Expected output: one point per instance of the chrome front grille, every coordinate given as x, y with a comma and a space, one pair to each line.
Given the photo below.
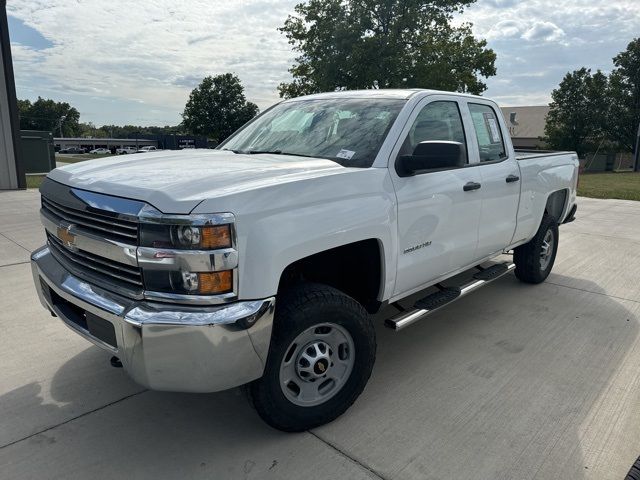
101, 224
94, 236
97, 237
95, 266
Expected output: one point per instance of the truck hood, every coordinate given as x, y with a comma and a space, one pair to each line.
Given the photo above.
177, 181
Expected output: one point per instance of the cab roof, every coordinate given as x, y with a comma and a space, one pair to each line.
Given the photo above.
391, 93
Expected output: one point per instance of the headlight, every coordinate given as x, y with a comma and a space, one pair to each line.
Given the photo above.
188, 283
188, 255
207, 283
187, 237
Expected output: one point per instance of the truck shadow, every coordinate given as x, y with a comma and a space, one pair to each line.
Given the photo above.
499, 385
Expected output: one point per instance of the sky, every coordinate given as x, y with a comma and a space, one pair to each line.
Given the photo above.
124, 62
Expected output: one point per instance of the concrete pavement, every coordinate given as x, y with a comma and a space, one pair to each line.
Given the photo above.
514, 381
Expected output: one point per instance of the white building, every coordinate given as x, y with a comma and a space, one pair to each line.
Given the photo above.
526, 125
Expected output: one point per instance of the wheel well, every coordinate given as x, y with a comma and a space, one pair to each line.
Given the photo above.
354, 269
555, 204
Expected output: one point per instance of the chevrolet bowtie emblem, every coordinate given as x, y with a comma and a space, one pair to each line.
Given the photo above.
67, 238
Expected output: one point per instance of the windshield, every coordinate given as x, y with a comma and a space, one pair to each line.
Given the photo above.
349, 131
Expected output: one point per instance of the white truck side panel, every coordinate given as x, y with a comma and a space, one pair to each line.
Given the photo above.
433, 209
541, 176
328, 212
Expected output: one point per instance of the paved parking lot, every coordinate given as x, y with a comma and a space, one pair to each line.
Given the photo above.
512, 382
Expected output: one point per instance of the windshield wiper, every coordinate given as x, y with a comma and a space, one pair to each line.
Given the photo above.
274, 152
280, 152
258, 152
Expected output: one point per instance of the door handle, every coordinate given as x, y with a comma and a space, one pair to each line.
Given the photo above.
512, 178
471, 186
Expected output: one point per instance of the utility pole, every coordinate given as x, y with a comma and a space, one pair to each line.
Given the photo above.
62, 118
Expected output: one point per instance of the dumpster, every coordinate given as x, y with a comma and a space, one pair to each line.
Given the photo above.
37, 151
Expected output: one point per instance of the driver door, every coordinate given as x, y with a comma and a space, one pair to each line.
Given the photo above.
438, 218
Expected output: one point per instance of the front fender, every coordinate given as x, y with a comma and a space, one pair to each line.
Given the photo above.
278, 225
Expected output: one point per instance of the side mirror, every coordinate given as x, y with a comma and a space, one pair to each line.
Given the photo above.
431, 155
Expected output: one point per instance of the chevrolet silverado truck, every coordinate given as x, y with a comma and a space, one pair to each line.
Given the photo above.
261, 263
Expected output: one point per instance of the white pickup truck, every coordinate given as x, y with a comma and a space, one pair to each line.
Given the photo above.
262, 262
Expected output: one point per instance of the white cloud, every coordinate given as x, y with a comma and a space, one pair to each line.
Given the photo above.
538, 41
505, 29
152, 52
23, 54
534, 32
543, 31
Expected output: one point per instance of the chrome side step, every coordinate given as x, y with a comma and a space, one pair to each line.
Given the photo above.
445, 296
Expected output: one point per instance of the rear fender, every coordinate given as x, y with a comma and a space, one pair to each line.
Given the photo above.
551, 189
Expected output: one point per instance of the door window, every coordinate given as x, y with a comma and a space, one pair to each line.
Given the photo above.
437, 121
488, 133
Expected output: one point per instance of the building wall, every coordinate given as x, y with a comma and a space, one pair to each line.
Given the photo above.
8, 177
528, 143
526, 125
11, 172
111, 143
163, 142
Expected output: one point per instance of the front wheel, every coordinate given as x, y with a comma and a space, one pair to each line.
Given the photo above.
534, 260
320, 359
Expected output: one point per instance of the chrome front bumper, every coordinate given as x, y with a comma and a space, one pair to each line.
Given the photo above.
161, 346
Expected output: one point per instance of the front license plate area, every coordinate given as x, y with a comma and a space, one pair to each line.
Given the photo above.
97, 327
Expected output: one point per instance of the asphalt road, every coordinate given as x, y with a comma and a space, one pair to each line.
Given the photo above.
513, 382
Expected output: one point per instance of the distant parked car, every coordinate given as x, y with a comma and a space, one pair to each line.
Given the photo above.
126, 150
147, 149
100, 151
73, 150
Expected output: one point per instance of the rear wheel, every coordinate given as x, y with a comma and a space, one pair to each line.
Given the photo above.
320, 359
534, 260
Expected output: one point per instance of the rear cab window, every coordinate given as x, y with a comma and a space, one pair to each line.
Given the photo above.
488, 133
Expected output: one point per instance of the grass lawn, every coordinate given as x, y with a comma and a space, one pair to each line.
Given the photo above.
34, 181
625, 186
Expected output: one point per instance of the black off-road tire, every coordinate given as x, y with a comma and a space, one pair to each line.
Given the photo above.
298, 309
634, 473
527, 256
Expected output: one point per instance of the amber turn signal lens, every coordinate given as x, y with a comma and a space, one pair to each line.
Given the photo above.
215, 282
216, 237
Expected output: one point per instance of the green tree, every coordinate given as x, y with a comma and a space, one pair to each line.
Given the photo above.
129, 131
217, 107
90, 130
47, 114
398, 43
578, 112
624, 96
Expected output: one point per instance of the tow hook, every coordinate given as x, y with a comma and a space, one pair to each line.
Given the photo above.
115, 362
